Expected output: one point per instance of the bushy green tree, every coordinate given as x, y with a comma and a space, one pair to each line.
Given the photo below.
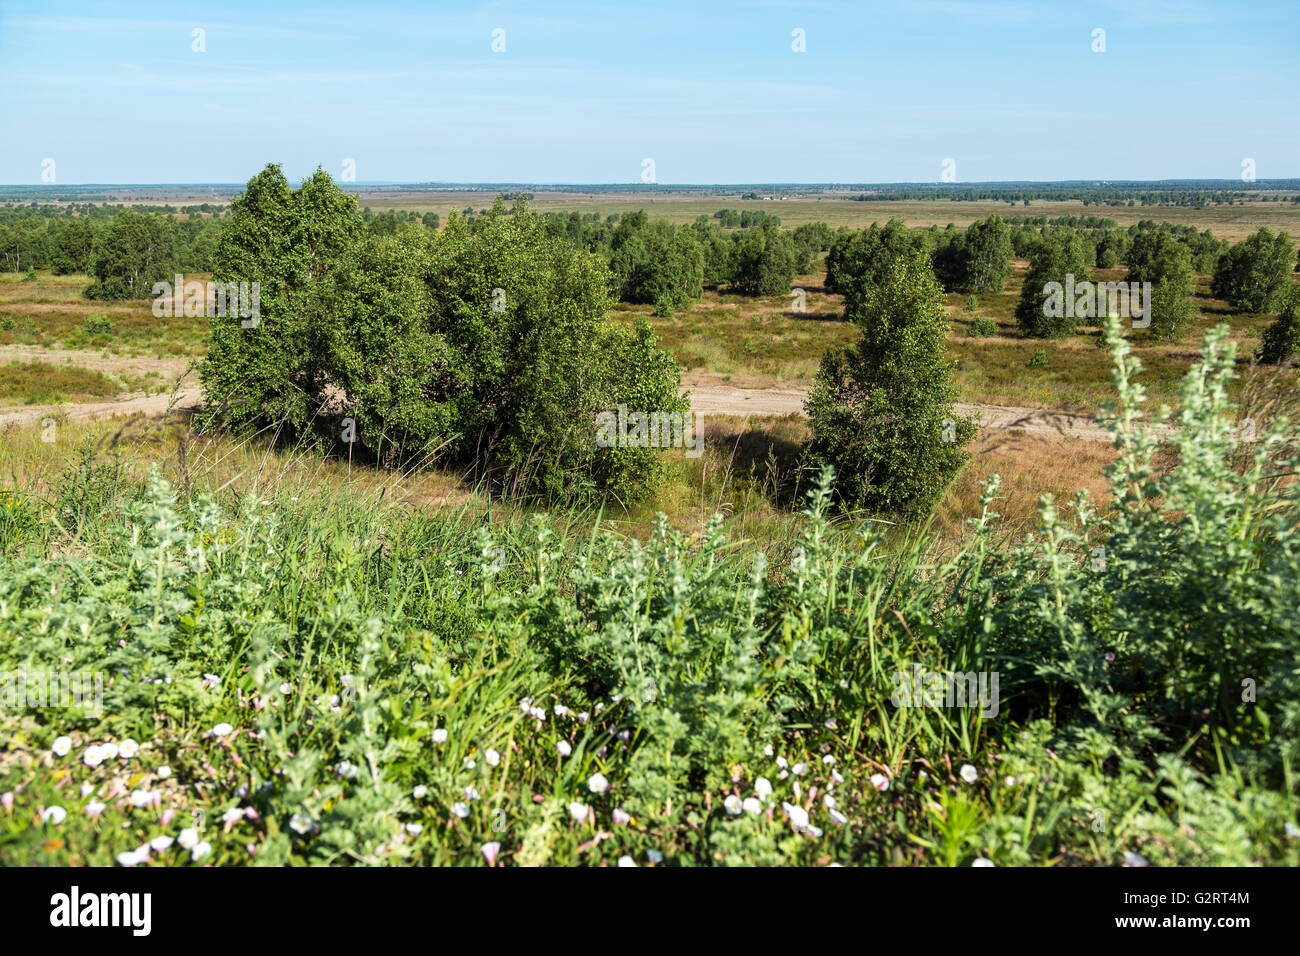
1255, 274
1281, 340
655, 263
1164, 261
763, 261
882, 410
861, 261
986, 259
133, 252
1057, 256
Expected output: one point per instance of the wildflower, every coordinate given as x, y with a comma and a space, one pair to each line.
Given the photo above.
525, 704
61, 746
459, 810
87, 789
109, 750
415, 829
814, 832
880, 782
286, 688
471, 794
1011, 781
492, 757
128, 748
141, 798
440, 735
782, 762
968, 773
468, 763
164, 772
1291, 831
578, 811
131, 858
751, 805
799, 769
94, 809
767, 751
564, 748
211, 681
300, 823
420, 792
55, 815
830, 724
597, 783
1135, 859
200, 851
837, 777
626, 861
839, 818
345, 769
7, 799
654, 856
980, 861
732, 804
621, 817
829, 802
189, 837
561, 710
797, 816
763, 787
222, 730
232, 816
490, 851
160, 843
829, 760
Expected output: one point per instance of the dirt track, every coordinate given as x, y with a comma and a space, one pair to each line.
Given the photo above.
709, 397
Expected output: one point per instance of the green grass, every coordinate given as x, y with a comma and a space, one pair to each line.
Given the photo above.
42, 383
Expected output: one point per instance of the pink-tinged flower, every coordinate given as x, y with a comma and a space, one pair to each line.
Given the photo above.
167, 816
211, 681
621, 817
222, 730
490, 851
578, 811
94, 809
251, 814
597, 783
880, 782
7, 800
55, 815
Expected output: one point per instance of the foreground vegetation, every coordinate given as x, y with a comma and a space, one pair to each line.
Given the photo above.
338, 680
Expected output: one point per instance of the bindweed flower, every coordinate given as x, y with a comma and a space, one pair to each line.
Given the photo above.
420, 792
797, 816
55, 815
799, 769
732, 805
109, 750
94, 809
751, 805
160, 843
222, 730
880, 782
440, 735
300, 823
128, 748
232, 816
211, 681
415, 829
763, 787
189, 837
654, 856
597, 783
829, 802
164, 772
578, 811
201, 851
492, 757
980, 861
564, 748
490, 851
61, 746
459, 810
468, 763
471, 793
626, 861
1135, 859
839, 818
132, 858
87, 789
969, 773
286, 688
7, 799
621, 817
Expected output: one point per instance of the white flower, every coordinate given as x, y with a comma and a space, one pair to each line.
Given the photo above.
525, 704
440, 735
298, 823
189, 837
232, 816
752, 805
286, 688
61, 746
490, 851
222, 730
160, 843
87, 789
131, 858
1291, 831
415, 829
969, 773
1135, 859
164, 772
839, 818
763, 787
782, 762
55, 815
767, 751
732, 804
420, 792
626, 861
980, 861
560, 710
837, 777
128, 748
654, 856
830, 724
799, 769
109, 750
492, 757
94, 809
829, 760
471, 794
578, 811
200, 851
797, 816
211, 681
468, 763
1010, 781
537, 713
597, 783
829, 802
814, 832
459, 810
345, 769
621, 817
880, 782
141, 798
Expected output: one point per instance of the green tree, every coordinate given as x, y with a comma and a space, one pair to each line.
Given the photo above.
882, 410
135, 251
1164, 261
1255, 274
987, 256
1281, 339
763, 261
1042, 311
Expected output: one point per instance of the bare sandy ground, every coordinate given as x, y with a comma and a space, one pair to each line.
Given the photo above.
709, 396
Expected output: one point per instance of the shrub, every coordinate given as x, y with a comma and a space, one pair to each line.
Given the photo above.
881, 411
983, 327
762, 261
1058, 256
1281, 339
1255, 274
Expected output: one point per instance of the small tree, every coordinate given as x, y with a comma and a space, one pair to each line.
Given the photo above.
134, 252
1042, 311
882, 411
763, 261
1281, 340
1166, 262
987, 256
1255, 274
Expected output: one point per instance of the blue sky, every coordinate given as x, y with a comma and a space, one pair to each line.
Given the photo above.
711, 91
